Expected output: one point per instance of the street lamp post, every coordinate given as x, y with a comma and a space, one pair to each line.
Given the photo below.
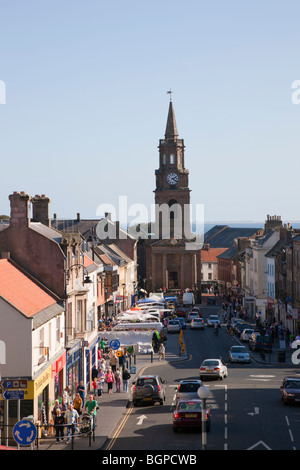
123, 285
203, 393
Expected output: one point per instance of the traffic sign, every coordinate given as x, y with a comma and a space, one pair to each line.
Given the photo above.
24, 432
13, 395
114, 344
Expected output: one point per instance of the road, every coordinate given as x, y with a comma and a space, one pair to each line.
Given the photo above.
246, 411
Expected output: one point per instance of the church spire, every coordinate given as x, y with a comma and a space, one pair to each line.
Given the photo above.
171, 128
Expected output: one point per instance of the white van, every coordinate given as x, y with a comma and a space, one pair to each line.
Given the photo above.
188, 299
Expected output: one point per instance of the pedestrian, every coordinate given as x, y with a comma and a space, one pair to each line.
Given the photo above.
94, 372
63, 406
126, 376
91, 408
161, 351
100, 387
66, 394
122, 359
71, 420
55, 407
113, 361
110, 379
118, 379
77, 403
59, 425
103, 345
102, 364
81, 390
95, 386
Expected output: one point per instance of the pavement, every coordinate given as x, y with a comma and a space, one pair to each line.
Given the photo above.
115, 408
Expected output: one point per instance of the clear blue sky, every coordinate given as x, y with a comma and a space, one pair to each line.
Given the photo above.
86, 102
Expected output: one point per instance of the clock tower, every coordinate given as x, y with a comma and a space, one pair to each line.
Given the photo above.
172, 181
172, 259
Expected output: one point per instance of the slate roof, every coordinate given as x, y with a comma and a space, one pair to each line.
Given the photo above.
222, 236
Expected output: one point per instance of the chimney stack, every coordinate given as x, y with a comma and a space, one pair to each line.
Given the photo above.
19, 209
40, 205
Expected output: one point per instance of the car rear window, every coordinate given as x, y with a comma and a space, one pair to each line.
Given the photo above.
173, 322
210, 363
190, 406
238, 349
187, 388
146, 380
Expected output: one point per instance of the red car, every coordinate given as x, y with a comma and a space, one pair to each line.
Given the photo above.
180, 312
188, 414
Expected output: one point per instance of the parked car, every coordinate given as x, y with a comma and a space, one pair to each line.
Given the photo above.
197, 324
181, 321
187, 390
180, 312
149, 388
211, 301
214, 368
239, 354
188, 414
290, 390
240, 326
212, 320
173, 326
258, 342
245, 334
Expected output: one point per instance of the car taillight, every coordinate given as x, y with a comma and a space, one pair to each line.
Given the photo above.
217, 368
159, 388
202, 368
176, 415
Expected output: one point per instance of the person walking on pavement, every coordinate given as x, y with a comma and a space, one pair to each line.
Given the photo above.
91, 408
161, 351
81, 390
59, 424
77, 403
71, 420
66, 394
126, 376
110, 379
118, 379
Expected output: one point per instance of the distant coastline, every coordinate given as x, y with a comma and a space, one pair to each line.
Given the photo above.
209, 225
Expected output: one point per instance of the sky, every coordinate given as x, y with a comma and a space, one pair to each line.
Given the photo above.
85, 86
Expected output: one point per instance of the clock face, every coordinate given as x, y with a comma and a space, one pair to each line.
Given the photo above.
172, 178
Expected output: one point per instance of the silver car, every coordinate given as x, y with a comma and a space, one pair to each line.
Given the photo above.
239, 354
214, 368
187, 390
149, 388
212, 320
174, 326
197, 324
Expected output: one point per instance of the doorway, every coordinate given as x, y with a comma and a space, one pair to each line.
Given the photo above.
173, 279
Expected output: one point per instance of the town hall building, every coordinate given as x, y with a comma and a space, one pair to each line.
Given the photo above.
172, 258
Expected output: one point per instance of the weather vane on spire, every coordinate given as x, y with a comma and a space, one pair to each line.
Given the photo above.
170, 93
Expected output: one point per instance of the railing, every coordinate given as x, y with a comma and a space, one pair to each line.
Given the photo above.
48, 434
